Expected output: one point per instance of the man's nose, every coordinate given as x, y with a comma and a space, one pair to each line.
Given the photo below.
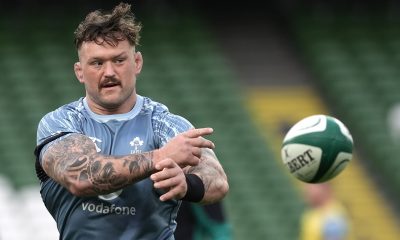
109, 70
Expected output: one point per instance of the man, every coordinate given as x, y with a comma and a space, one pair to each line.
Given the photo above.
326, 219
114, 164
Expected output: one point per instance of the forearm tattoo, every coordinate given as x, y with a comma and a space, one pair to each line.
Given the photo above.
210, 171
73, 160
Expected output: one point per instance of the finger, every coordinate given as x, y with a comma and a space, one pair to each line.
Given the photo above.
173, 193
166, 173
167, 196
198, 132
167, 183
193, 161
202, 143
165, 163
197, 152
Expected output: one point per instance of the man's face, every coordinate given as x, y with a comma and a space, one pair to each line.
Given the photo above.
317, 194
109, 75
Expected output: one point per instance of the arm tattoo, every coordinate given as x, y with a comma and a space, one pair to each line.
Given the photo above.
211, 173
73, 161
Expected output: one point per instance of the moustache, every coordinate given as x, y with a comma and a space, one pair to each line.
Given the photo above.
109, 82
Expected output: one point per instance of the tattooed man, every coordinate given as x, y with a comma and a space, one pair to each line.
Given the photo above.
115, 164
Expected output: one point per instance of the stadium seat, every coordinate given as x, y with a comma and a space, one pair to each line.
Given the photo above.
354, 58
184, 71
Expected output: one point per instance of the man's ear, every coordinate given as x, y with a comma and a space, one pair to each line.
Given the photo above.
138, 62
78, 72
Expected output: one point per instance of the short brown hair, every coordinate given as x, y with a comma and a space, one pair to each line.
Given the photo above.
111, 27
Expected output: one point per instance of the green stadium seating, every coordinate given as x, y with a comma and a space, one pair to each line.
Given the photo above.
354, 57
185, 71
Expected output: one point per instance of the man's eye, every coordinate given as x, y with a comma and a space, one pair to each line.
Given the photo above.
96, 63
120, 60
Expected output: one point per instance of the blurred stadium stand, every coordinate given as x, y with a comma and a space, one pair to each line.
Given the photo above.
352, 55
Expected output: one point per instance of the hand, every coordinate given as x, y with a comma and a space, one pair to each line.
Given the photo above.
185, 148
171, 178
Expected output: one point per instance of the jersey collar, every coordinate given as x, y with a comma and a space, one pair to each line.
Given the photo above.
116, 117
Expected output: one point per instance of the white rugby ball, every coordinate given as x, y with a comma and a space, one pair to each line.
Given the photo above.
317, 148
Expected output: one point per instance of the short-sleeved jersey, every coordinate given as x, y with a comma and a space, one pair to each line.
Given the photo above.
328, 222
134, 212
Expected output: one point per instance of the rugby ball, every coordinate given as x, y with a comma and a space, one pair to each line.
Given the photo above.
317, 148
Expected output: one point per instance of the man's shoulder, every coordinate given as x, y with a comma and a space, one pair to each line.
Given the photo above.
72, 109
158, 112
153, 107
67, 118
161, 116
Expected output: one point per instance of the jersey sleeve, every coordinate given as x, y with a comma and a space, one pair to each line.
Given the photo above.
59, 121
55, 125
167, 125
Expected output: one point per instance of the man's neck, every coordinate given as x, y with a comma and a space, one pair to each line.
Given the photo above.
126, 107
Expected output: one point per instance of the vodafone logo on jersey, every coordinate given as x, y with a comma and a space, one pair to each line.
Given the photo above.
108, 208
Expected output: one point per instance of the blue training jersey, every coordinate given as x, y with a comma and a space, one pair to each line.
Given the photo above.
134, 212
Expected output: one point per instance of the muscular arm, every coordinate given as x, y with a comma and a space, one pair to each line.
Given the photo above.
74, 163
213, 176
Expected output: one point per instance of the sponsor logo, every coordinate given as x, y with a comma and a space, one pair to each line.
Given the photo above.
300, 161
136, 143
104, 208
